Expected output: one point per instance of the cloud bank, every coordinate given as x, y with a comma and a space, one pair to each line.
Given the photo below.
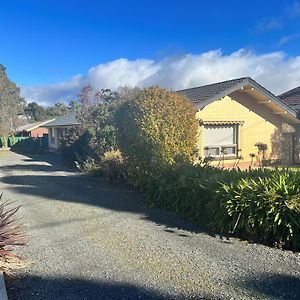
276, 71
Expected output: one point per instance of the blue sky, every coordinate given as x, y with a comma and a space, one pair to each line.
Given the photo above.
47, 43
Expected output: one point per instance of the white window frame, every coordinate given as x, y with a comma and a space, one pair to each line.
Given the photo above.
220, 149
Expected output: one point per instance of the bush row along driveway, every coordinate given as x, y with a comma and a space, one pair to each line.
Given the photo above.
90, 240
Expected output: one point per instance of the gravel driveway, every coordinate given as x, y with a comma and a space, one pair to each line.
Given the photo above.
89, 240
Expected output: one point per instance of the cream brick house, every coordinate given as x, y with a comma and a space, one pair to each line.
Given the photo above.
235, 115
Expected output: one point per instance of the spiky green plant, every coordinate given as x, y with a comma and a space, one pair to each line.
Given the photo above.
11, 233
265, 209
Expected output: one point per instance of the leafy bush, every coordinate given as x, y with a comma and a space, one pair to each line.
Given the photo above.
74, 147
98, 123
154, 127
111, 167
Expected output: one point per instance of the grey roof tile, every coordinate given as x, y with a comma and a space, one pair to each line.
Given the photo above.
202, 93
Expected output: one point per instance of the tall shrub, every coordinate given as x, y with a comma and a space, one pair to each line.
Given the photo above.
154, 128
86, 145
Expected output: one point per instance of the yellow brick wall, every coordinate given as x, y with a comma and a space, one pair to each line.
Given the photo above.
260, 125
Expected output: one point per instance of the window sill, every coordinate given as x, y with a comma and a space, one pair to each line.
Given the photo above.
229, 157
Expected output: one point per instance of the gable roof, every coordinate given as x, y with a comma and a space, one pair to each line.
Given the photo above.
31, 126
67, 120
206, 94
291, 97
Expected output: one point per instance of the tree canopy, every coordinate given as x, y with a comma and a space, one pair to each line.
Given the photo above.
11, 103
57, 110
36, 112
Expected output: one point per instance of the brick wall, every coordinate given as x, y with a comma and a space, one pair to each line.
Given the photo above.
39, 132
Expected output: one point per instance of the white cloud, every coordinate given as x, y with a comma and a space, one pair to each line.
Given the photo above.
276, 71
121, 72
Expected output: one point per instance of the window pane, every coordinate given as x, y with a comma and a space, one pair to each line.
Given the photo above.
211, 151
229, 150
220, 135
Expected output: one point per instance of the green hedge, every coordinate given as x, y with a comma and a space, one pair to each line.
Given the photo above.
259, 205
31, 145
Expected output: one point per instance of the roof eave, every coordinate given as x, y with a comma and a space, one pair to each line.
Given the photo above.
274, 98
252, 83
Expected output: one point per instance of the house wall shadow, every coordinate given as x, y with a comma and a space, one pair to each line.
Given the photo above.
282, 147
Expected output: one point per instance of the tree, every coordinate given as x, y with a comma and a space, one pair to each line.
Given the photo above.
58, 110
73, 105
11, 103
36, 112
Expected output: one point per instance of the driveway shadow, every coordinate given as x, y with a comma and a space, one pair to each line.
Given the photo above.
274, 286
77, 188
74, 289
30, 168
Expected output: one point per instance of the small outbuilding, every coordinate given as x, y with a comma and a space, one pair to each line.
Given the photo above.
58, 128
